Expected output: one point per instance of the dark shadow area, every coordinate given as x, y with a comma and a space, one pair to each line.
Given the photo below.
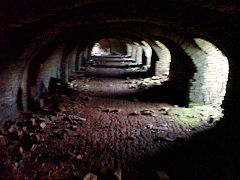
181, 71
152, 69
34, 71
179, 158
144, 59
101, 59
97, 120
111, 56
19, 99
198, 157
209, 155
174, 92
117, 66
165, 93
114, 72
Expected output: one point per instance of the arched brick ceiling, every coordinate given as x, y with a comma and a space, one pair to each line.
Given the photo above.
185, 15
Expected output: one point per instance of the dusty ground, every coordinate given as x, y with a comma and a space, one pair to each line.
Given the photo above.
95, 123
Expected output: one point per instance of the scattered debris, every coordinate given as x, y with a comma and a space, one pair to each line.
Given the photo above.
106, 110
57, 118
109, 173
3, 140
145, 83
43, 125
33, 148
170, 138
39, 138
156, 78
163, 137
21, 149
90, 176
62, 108
160, 128
82, 119
118, 173
57, 139
132, 86
148, 112
135, 100
12, 129
24, 128
164, 109
149, 126
79, 157
3, 131
75, 117
134, 113
130, 138
111, 110
162, 175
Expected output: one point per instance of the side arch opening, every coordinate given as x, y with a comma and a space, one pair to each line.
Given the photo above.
209, 82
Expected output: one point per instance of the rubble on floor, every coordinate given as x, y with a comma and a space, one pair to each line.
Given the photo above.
74, 132
105, 174
162, 175
144, 83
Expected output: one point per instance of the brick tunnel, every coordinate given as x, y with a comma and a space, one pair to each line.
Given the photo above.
119, 89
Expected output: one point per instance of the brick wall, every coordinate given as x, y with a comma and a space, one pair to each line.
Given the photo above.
163, 64
148, 52
72, 61
208, 85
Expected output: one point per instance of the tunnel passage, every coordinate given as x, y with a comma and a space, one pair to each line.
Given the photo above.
144, 106
112, 106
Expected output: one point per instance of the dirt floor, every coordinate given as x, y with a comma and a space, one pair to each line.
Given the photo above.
101, 119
